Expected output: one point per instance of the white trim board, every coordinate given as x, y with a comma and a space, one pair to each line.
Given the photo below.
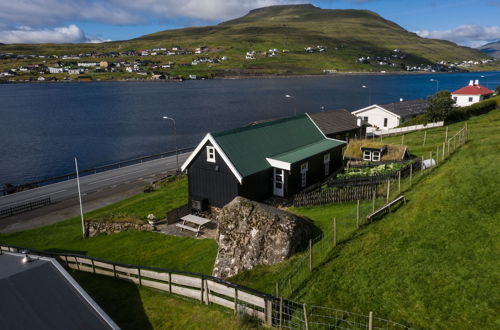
279, 164
373, 107
210, 138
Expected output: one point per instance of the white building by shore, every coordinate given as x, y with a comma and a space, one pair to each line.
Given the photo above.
471, 94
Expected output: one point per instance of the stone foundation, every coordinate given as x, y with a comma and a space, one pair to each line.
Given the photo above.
95, 228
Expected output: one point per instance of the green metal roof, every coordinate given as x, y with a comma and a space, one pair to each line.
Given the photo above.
248, 147
312, 149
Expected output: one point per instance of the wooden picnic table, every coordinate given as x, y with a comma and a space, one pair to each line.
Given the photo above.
193, 219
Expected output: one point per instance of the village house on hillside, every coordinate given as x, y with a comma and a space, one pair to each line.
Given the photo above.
373, 151
471, 94
390, 115
340, 124
279, 157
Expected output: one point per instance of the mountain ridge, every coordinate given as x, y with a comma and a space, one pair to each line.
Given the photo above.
345, 35
491, 49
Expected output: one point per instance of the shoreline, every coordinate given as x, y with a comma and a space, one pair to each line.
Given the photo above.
243, 77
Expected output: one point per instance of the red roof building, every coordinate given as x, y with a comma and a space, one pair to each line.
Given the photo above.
471, 94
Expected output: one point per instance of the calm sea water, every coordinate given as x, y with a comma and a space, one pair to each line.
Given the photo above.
44, 125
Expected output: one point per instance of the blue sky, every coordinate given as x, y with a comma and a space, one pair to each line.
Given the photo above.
471, 23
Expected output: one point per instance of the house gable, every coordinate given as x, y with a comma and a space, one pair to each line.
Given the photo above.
219, 152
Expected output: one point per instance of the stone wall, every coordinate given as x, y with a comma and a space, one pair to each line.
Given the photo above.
252, 234
95, 228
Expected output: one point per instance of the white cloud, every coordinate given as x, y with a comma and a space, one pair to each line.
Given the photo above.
24, 34
58, 12
198, 9
55, 12
468, 35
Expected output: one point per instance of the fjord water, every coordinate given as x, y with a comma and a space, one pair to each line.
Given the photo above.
44, 125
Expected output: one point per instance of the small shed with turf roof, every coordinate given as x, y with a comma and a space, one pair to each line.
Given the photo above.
374, 151
279, 157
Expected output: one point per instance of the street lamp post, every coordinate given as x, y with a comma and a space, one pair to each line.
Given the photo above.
294, 104
369, 94
175, 141
437, 84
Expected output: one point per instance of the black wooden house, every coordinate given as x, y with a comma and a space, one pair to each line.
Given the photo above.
278, 158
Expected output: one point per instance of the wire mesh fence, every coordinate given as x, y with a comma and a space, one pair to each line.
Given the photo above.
289, 314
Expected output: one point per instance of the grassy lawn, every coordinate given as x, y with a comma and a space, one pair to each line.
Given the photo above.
134, 307
134, 247
432, 263
136, 209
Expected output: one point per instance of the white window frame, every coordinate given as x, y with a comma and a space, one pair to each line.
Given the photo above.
304, 167
376, 156
210, 154
326, 162
386, 122
471, 98
367, 155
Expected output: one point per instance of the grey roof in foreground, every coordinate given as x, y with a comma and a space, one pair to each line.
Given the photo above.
406, 108
335, 121
42, 295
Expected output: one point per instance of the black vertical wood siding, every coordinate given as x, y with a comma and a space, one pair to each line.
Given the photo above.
316, 172
218, 186
257, 186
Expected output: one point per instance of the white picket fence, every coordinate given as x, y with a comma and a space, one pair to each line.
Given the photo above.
381, 132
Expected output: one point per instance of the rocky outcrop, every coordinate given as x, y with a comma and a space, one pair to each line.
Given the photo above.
252, 234
95, 228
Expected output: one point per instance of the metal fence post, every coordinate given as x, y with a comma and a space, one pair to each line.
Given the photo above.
281, 312
334, 231
357, 215
370, 321
399, 182
305, 317
388, 189
310, 255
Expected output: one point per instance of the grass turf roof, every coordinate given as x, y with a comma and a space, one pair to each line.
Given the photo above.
248, 147
393, 152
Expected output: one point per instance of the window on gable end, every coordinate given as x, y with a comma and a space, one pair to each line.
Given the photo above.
210, 154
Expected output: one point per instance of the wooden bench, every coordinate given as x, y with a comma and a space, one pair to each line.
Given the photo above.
386, 207
195, 220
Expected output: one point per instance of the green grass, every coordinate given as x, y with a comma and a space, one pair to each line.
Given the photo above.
134, 307
134, 247
137, 208
432, 263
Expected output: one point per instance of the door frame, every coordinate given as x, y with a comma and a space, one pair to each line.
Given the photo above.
278, 173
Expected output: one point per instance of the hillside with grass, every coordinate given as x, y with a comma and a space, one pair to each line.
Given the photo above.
431, 263
346, 35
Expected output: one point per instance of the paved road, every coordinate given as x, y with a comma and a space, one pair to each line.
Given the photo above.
94, 182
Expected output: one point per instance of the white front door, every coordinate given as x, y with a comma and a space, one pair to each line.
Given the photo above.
278, 182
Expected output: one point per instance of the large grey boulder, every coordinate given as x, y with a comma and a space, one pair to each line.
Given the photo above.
252, 234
